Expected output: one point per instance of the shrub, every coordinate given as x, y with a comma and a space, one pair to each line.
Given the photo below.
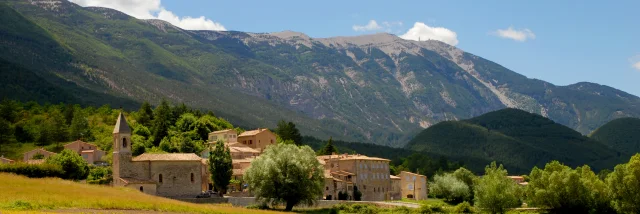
33, 170
464, 207
100, 175
358, 208
449, 188
433, 208
75, 168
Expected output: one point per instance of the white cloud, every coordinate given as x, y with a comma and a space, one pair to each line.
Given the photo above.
421, 31
517, 35
152, 9
635, 62
372, 25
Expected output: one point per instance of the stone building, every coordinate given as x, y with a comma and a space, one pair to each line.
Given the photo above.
43, 154
414, 186
257, 139
169, 175
4, 160
88, 151
227, 135
396, 188
345, 172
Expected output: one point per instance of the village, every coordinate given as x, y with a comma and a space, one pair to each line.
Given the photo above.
187, 175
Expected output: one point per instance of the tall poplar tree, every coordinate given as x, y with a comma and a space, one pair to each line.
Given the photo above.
220, 166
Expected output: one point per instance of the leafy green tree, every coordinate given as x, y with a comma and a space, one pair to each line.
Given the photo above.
9, 110
75, 168
562, 189
188, 145
468, 178
287, 174
37, 156
220, 166
288, 131
449, 188
186, 122
624, 183
329, 148
495, 192
6, 132
80, 127
69, 112
167, 146
161, 122
145, 114
100, 175
58, 127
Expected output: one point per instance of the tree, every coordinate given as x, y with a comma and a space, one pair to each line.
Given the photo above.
75, 168
56, 123
287, 174
468, 178
80, 129
145, 114
220, 166
6, 132
161, 122
9, 110
565, 190
357, 195
329, 148
624, 183
288, 131
495, 192
451, 189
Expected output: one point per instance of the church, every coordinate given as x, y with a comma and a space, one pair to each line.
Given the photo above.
168, 175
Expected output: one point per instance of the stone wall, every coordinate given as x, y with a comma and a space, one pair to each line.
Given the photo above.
179, 178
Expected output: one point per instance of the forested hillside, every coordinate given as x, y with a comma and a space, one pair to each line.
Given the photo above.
518, 139
621, 134
373, 88
165, 128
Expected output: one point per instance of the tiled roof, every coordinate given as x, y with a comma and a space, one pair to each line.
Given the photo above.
6, 159
243, 149
121, 125
136, 181
252, 132
42, 151
222, 131
87, 151
394, 177
350, 157
168, 157
244, 160
341, 172
81, 142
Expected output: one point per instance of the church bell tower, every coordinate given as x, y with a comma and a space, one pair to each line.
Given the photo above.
121, 149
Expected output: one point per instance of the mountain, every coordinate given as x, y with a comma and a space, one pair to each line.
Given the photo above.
374, 88
516, 138
622, 134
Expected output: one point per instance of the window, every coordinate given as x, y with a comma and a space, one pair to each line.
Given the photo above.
192, 178
124, 142
327, 188
271, 141
141, 189
250, 141
160, 178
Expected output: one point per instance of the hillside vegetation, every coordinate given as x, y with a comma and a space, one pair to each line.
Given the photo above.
371, 88
44, 194
518, 139
621, 134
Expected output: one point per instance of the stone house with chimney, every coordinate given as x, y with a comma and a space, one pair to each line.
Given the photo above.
343, 172
169, 175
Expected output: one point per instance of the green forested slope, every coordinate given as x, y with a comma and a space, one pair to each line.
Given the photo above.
516, 138
621, 134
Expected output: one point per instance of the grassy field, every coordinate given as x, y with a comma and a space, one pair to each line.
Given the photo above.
19, 194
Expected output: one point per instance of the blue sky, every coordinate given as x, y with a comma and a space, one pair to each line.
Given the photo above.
562, 42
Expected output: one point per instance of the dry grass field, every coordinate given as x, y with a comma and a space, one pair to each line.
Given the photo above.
19, 194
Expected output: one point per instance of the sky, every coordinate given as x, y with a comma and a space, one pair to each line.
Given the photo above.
562, 42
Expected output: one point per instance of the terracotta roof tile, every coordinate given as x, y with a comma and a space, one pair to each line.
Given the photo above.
222, 131
168, 157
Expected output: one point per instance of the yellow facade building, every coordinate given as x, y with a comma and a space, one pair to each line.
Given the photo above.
413, 186
345, 172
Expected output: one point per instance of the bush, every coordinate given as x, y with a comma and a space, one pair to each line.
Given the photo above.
100, 175
75, 168
33, 170
449, 188
358, 208
434, 208
464, 207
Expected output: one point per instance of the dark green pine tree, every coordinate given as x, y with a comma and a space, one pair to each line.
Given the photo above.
220, 166
161, 122
288, 131
329, 148
145, 114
